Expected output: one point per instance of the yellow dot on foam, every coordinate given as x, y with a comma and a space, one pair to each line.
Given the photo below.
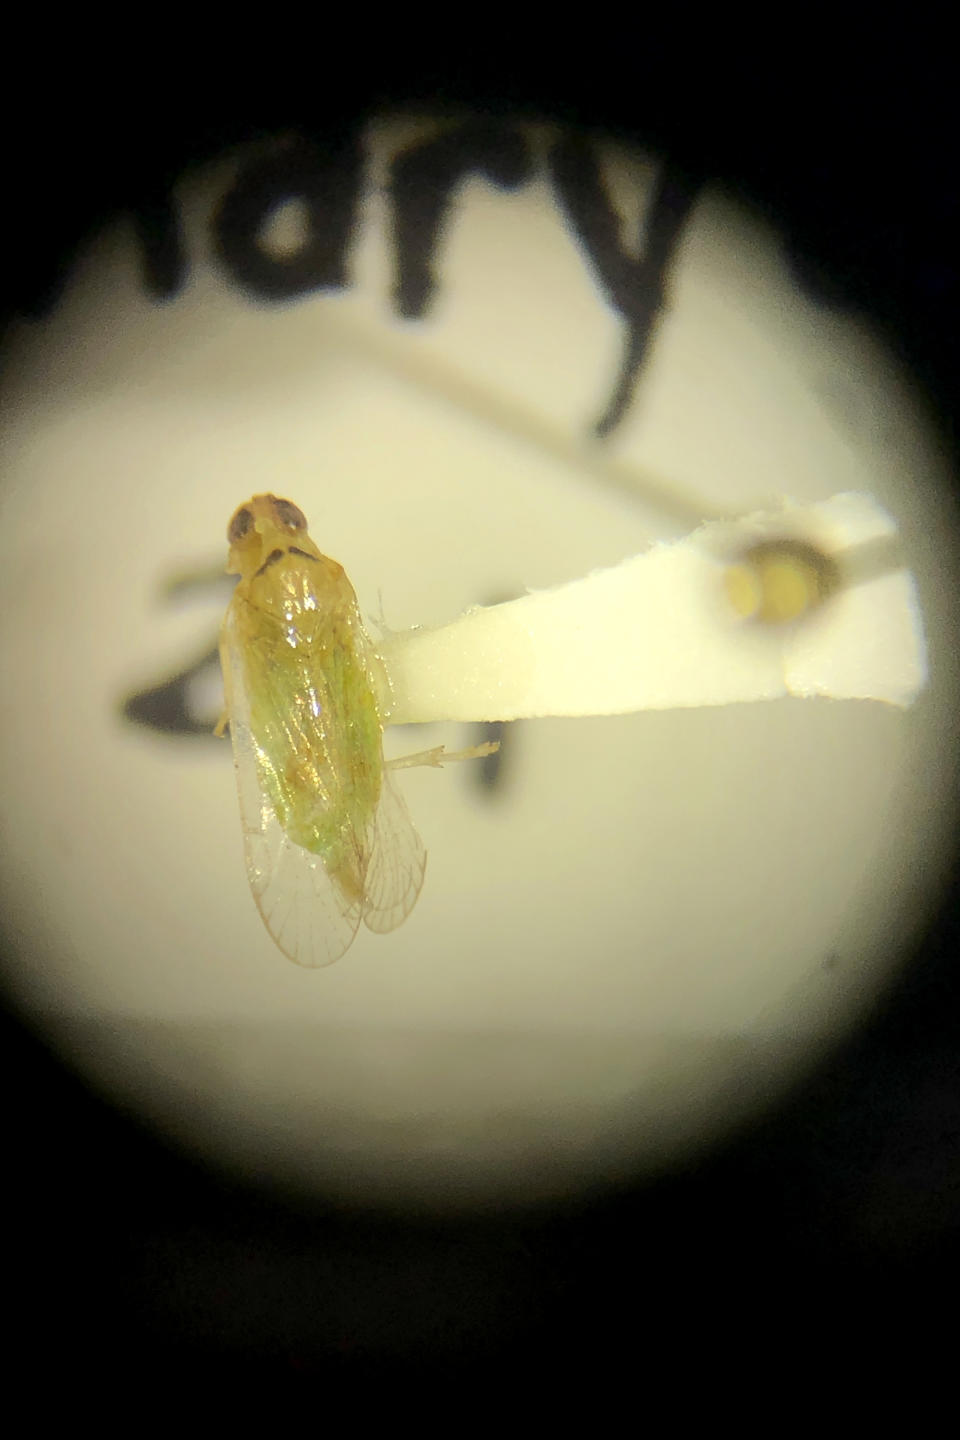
779, 582
790, 588
743, 590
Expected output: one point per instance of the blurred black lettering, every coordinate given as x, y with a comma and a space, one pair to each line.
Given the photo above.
423, 179
635, 287
165, 266
328, 181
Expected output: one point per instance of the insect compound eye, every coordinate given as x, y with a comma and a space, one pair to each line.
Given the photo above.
288, 514
239, 525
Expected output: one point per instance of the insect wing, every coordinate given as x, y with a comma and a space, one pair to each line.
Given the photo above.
397, 864
304, 910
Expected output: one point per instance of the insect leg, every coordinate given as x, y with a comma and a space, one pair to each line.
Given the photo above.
439, 756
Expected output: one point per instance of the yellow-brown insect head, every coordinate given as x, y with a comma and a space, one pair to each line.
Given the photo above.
263, 524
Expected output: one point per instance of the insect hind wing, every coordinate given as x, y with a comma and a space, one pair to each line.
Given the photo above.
397, 863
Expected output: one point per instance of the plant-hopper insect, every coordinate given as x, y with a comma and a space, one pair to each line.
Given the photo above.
328, 839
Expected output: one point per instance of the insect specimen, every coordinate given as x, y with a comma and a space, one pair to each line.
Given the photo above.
328, 838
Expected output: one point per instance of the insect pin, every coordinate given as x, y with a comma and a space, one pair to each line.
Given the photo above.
327, 836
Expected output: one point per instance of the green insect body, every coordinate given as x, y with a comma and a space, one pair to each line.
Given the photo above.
328, 838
